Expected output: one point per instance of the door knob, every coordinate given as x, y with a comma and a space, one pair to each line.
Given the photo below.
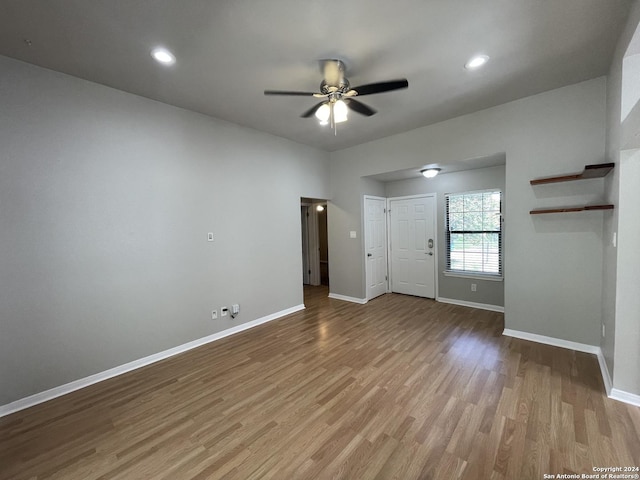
369, 255
429, 253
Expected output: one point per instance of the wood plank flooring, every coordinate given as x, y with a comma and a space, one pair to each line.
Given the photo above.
401, 388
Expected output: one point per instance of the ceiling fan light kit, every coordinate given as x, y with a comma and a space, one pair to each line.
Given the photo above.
338, 95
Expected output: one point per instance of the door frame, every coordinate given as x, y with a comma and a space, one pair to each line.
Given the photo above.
312, 254
436, 232
365, 238
304, 228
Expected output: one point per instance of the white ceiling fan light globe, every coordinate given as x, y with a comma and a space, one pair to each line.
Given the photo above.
340, 111
323, 113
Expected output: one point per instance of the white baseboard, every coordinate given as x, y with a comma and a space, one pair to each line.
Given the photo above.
55, 392
337, 296
556, 342
606, 378
612, 393
625, 397
464, 303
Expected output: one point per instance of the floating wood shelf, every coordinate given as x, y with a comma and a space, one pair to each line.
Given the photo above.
590, 171
583, 208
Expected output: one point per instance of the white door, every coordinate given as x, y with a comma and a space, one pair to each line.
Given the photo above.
375, 246
413, 257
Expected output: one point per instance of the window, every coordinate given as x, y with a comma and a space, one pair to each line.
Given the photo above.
474, 233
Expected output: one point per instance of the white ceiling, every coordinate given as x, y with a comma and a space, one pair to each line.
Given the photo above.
229, 51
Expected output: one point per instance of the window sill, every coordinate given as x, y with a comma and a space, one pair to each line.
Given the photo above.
477, 276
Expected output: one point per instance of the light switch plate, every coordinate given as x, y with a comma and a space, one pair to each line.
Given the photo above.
352, 234
210, 237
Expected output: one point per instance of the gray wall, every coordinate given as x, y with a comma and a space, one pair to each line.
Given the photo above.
488, 292
620, 290
105, 203
553, 263
346, 262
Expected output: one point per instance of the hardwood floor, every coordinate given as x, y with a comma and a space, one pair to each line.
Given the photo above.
400, 388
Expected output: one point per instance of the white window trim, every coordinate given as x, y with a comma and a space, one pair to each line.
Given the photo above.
477, 276
468, 274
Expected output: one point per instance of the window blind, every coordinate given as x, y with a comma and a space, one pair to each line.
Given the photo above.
474, 232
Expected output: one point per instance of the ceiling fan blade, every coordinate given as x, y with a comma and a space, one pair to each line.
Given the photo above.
289, 93
359, 107
381, 87
312, 110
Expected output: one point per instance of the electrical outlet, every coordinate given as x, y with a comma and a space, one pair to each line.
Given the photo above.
235, 309
214, 314
474, 287
224, 311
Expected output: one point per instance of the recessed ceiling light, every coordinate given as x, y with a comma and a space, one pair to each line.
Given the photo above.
163, 56
476, 62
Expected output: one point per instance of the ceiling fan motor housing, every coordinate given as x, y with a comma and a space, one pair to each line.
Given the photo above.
342, 87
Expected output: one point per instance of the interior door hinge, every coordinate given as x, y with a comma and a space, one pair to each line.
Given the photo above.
386, 278
309, 272
385, 210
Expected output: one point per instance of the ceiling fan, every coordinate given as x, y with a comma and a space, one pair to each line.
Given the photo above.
337, 94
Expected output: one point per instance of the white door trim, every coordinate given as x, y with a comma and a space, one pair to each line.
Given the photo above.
304, 229
314, 246
312, 255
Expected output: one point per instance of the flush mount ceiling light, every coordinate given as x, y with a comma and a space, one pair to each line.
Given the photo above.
430, 172
320, 208
163, 56
476, 62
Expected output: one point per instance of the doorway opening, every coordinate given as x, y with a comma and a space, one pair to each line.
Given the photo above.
315, 243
